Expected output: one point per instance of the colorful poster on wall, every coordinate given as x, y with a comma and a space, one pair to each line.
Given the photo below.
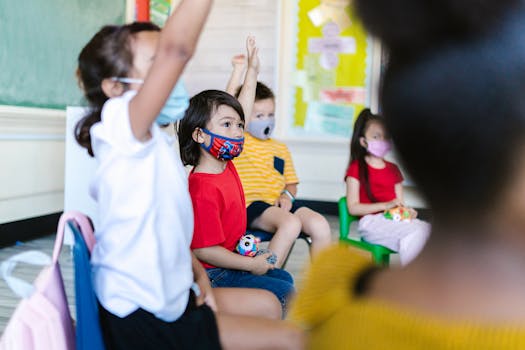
156, 11
332, 69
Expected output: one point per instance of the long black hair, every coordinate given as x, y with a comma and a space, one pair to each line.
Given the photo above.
108, 54
453, 96
358, 152
199, 113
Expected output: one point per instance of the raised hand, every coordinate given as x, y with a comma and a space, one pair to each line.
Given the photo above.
239, 61
253, 53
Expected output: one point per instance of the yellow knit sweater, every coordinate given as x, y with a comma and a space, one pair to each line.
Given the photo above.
337, 319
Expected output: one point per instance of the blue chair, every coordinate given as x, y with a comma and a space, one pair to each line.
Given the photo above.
265, 236
88, 334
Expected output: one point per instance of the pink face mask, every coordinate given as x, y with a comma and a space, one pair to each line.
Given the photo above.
379, 148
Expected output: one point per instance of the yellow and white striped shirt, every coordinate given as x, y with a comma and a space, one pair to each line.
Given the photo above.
265, 168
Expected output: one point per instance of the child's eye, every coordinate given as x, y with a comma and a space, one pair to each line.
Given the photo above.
259, 116
241, 125
227, 124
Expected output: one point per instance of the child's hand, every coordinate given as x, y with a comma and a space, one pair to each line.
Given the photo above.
413, 213
259, 264
392, 204
284, 202
239, 61
206, 294
253, 57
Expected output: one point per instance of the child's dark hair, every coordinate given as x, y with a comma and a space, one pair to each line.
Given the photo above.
198, 114
358, 152
454, 108
262, 92
108, 54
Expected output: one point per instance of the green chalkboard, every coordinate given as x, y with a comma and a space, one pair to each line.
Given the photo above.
39, 44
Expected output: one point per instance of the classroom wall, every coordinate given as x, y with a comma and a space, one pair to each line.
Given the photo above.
320, 163
32, 140
224, 36
32, 160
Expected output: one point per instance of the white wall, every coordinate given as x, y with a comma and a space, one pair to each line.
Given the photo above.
224, 36
32, 162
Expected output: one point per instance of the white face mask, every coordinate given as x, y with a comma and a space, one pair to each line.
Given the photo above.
175, 106
261, 128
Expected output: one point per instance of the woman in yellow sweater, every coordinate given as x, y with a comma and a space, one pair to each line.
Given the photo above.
453, 102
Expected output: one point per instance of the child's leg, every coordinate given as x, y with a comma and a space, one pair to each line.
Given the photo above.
248, 302
315, 226
413, 242
286, 227
277, 281
241, 332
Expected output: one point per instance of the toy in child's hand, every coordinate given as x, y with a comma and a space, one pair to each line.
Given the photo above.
272, 259
398, 214
248, 245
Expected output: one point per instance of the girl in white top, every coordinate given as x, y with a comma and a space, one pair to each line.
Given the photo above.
143, 268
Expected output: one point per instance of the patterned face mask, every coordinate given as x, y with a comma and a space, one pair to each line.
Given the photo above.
223, 147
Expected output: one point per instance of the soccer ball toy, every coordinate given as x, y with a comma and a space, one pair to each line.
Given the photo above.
248, 245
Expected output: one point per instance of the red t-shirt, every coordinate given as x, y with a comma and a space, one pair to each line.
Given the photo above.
382, 181
219, 209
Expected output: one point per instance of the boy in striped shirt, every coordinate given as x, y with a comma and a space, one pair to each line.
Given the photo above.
268, 177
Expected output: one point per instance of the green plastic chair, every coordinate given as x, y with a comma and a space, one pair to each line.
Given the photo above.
380, 254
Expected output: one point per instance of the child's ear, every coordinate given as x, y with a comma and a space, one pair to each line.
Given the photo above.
112, 88
362, 142
197, 135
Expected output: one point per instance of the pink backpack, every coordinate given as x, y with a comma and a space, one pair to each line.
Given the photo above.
42, 319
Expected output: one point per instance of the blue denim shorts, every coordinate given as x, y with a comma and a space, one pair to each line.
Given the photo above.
277, 281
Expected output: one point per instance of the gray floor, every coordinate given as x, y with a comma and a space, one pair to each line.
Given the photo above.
297, 261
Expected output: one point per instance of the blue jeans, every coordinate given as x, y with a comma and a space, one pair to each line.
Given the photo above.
277, 281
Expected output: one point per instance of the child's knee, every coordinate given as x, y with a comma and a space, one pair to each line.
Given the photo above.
318, 225
270, 305
291, 225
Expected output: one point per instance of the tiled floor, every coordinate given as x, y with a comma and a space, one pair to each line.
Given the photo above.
297, 261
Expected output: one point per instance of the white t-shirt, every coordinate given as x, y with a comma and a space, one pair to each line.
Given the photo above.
142, 256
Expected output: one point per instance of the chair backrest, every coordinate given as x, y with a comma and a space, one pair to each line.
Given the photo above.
89, 334
380, 254
345, 219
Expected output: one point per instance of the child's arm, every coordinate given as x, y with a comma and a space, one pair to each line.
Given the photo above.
399, 195
173, 52
247, 94
359, 209
222, 257
284, 201
201, 278
238, 63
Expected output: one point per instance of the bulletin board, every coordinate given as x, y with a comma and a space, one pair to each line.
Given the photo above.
39, 45
332, 69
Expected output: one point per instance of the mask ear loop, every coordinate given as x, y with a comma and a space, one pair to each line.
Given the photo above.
212, 137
